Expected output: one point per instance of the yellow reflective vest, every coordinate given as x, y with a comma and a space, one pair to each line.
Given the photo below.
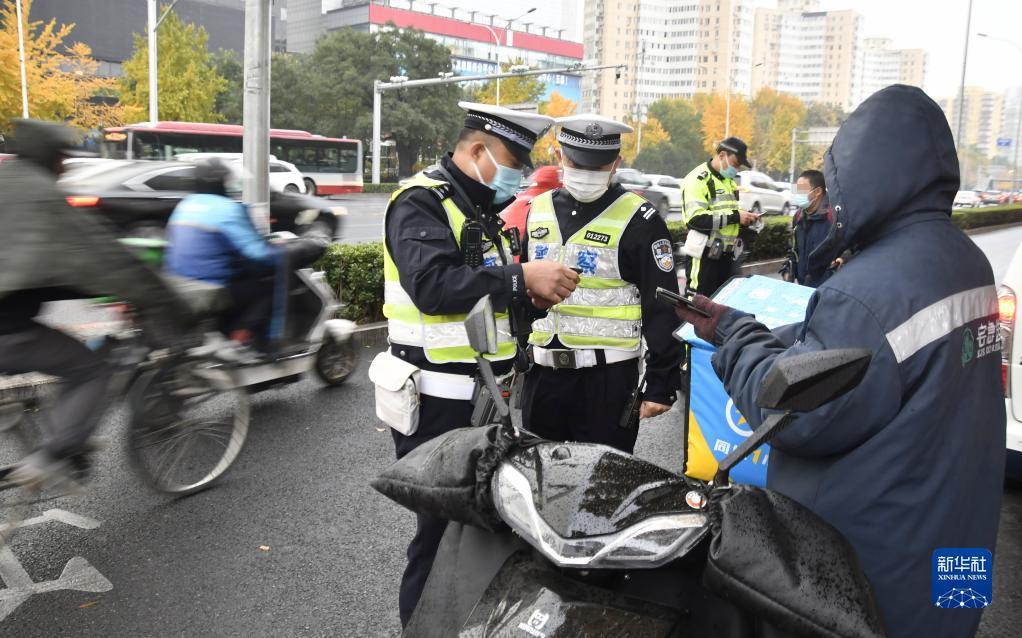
442, 337
604, 311
703, 192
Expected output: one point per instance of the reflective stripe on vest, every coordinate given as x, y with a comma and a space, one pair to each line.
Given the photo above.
718, 204
604, 311
442, 337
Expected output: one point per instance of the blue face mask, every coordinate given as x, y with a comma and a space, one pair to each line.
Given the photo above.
728, 171
800, 200
506, 181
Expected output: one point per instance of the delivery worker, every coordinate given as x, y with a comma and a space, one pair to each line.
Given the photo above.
444, 250
586, 350
909, 465
711, 212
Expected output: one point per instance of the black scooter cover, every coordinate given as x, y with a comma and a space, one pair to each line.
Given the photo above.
449, 476
776, 559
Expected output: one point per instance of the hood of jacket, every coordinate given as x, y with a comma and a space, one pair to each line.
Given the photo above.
894, 157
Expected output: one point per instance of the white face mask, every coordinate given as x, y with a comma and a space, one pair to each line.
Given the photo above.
585, 186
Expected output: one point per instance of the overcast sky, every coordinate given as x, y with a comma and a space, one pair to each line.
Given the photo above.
939, 27
935, 25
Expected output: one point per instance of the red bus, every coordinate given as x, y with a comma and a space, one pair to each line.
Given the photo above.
329, 165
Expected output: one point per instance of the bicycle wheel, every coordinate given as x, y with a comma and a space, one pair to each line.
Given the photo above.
15, 444
188, 424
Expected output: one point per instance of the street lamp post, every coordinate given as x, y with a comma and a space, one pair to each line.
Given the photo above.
961, 88
1018, 113
496, 40
21, 60
153, 25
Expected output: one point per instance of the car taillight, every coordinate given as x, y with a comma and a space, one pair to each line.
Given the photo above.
82, 201
1006, 306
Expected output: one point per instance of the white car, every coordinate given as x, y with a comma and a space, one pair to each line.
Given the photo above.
757, 193
284, 176
1011, 362
967, 199
669, 186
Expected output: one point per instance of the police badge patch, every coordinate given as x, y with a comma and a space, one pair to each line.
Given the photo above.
663, 255
540, 233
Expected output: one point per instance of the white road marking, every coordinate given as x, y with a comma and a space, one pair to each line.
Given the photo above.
78, 574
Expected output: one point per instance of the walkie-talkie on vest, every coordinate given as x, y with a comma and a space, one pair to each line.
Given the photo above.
472, 240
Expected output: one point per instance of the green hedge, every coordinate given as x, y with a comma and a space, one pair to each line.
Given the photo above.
386, 187
358, 268
966, 218
771, 243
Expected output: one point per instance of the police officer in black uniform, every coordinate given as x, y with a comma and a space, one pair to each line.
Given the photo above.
444, 275
587, 362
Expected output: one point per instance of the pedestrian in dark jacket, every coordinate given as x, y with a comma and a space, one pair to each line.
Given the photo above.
911, 460
809, 228
52, 251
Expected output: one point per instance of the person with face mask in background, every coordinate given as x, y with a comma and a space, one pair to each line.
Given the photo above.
711, 212
444, 249
586, 349
809, 228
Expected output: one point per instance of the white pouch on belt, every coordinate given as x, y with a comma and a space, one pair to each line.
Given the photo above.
397, 392
695, 243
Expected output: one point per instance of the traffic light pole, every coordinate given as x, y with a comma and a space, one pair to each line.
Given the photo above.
379, 87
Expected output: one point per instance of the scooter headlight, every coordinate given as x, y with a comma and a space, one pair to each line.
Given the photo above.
649, 543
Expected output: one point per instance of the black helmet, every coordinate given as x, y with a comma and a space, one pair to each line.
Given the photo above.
211, 175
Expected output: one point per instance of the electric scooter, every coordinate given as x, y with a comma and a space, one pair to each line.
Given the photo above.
578, 539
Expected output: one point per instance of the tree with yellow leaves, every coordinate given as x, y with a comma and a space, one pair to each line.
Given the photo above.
714, 117
775, 115
653, 135
556, 106
62, 81
524, 89
189, 82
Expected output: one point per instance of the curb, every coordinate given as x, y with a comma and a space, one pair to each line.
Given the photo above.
371, 334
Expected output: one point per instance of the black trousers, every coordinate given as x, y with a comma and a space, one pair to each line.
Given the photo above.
582, 405
711, 274
436, 416
251, 305
68, 425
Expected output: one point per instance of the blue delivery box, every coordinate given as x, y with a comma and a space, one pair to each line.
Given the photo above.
715, 427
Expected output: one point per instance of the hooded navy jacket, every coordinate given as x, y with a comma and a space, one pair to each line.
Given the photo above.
912, 459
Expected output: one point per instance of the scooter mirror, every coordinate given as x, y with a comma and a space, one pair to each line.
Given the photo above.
481, 326
806, 381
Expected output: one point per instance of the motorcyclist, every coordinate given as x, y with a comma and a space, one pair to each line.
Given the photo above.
54, 252
212, 239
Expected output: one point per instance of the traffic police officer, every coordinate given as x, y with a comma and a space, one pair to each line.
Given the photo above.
710, 211
586, 349
444, 250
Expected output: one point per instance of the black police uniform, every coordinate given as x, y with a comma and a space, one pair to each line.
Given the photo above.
435, 276
586, 404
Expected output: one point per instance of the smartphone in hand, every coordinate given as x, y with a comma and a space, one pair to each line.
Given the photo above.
671, 298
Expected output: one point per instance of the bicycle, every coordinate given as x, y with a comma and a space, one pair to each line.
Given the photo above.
188, 419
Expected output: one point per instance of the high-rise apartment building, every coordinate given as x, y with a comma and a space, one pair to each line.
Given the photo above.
672, 48
884, 65
814, 55
982, 119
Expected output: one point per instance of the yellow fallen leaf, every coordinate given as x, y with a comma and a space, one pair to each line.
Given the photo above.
264, 548
87, 605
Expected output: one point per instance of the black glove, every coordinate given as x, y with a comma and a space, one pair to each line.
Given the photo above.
705, 327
